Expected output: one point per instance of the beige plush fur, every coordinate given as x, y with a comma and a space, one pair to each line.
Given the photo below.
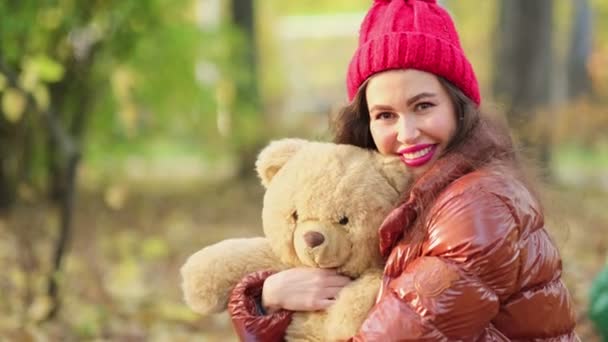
338, 191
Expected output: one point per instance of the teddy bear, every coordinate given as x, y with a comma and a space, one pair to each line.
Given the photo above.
323, 205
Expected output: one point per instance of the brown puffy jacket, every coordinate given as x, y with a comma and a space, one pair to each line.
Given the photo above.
475, 265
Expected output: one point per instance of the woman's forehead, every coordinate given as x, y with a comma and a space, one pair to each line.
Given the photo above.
400, 85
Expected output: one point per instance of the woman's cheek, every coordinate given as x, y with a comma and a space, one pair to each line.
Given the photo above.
384, 138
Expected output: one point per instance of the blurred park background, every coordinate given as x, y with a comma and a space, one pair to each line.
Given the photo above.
129, 129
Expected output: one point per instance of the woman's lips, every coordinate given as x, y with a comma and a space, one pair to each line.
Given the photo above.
417, 155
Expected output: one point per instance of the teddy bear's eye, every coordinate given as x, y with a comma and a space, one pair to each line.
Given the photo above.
343, 221
294, 215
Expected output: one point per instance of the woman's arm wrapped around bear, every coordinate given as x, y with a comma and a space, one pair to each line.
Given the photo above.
250, 323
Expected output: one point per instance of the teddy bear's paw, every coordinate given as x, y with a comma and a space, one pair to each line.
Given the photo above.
210, 274
345, 317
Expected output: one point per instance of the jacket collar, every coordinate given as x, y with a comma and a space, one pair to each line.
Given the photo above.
423, 191
488, 141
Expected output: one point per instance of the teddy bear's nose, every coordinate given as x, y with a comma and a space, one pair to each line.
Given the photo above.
313, 239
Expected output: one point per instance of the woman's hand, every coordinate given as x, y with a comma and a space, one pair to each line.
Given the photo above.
302, 289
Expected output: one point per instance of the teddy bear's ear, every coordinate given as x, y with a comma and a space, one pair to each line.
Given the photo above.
394, 171
274, 156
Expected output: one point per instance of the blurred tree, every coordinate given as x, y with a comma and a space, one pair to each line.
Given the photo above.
250, 126
67, 63
522, 68
579, 79
244, 18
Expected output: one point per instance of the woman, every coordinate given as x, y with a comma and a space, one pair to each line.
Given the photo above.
467, 255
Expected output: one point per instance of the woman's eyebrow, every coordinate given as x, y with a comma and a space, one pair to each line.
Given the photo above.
415, 98
410, 101
380, 107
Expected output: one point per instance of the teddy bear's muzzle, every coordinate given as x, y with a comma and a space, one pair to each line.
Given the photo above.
321, 245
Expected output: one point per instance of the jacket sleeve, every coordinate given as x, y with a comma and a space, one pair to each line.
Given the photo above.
244, 307
469, 263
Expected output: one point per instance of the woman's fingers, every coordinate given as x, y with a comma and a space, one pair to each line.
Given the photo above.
330, 292
337, 280
323, 304
303, 289
329, 277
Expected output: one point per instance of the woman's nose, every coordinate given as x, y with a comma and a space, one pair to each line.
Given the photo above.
407, 130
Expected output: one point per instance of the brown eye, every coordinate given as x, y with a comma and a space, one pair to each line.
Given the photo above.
383, 116
423, 105
294, 215
343, 221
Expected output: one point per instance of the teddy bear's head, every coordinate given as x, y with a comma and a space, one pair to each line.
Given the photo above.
324, 202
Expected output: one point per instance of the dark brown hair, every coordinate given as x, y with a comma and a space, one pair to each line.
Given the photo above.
479, 140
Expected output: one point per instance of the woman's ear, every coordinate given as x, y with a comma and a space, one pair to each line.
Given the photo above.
274, 156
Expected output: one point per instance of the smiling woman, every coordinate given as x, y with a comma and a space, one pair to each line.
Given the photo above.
411, 115
453, 114
467, 256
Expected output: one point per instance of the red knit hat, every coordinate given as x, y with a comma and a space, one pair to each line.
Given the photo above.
410, 34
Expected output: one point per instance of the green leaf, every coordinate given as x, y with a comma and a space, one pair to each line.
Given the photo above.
50, 18
47, 69
13, 104
154, 248
42, 97
28, 79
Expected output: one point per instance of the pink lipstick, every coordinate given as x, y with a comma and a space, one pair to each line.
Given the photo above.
418, 155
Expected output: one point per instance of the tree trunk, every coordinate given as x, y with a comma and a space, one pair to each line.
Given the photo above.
243, 17
524, 53
7, 179
522, 74
67, 132
248, 104
10, 148
7, 184
66, 209
579, 80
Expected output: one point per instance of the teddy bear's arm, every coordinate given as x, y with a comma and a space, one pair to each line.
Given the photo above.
347, 314
307, 327
210, 274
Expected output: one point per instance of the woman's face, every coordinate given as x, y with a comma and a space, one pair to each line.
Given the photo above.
411, 115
